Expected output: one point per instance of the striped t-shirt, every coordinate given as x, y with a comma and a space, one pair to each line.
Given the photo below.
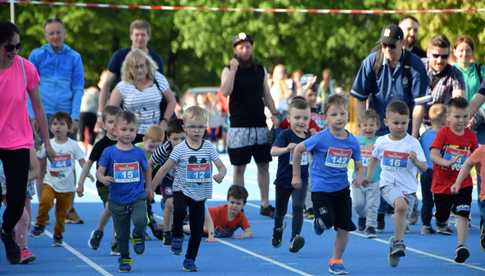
145, 104
193, 174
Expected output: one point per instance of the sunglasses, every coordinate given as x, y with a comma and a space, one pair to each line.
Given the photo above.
11, 47
445, 56
390, 46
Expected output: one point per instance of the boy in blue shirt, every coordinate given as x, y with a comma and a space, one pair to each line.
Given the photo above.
331, 151
299, 118
125, 170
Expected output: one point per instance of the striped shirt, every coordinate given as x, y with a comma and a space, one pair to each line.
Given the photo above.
193, 174
161, 155
145, 104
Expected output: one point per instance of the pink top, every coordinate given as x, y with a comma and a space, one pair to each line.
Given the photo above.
15, 129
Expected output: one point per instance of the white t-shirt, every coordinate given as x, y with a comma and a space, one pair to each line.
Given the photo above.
60, 173
396, 167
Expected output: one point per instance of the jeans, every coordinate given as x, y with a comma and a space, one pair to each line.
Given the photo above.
281, 207
365, 201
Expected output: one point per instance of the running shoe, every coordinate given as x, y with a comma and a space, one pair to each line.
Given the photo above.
26, 256
267, 211
361, 224
138, 245
189, 265
427, 230
461, 254
167, 238
12, 250
177, 245
397, 249
73, 217
277, 236
57, 240
125, 264
95, 239
115, 249
296, 244
337, 268
371, 232
444, 230
37, 230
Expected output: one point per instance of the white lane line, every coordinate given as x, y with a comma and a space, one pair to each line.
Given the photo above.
83, 258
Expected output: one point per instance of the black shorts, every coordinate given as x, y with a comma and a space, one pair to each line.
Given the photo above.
103, 192
459, 204
338, 205
165, 189
242, 156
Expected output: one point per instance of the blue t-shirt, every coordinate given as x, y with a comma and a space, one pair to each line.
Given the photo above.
127, 167
285, 161
330, 157
426, 140
366, 148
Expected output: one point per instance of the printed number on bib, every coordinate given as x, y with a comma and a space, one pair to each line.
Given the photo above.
198, 173
450, 153
61, 162
303, 161
126, 172
395, 159
338, 158
366, 154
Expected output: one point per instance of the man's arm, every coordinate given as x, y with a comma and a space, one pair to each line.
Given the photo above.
418, 115
103, 98
476, 103
77, 86
227, 77
361, 107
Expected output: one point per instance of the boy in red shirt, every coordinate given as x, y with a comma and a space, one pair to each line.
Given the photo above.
451, 147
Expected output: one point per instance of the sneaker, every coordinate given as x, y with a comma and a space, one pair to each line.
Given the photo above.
177, 245
125, 264
95, 239
427, 230
462, 253
157, 232
73, 217
167, 238
337, 269
37, 230
296, 244
138, 245
444, 230
57, 240
381, 223
12, 250
26, 256
267, 211
189, 265
277, 236
309, 214
482, 235
115, 249
361, 224
397, 249
318, 226
371, 232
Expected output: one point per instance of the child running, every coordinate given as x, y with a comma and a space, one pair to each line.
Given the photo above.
192, 183
331, 151
109, 120
400, 157
437, 117
366, 198
451, 147
175, 135
124, 169
299, 117
59, 181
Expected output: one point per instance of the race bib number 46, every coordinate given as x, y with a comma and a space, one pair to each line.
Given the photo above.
338, 158
61, 162
198, 173
395, 159
450, 153
126, 172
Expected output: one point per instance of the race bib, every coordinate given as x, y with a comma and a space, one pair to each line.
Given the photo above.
366, 154
126, 172
61, 162
395, 159
198, 173
304, 159
450, 153
338, 158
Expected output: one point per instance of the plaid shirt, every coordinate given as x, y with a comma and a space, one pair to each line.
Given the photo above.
442, 85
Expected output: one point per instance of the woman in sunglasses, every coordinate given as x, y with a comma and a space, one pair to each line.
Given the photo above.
18, 78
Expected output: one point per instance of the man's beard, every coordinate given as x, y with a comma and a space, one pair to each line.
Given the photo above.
245, 63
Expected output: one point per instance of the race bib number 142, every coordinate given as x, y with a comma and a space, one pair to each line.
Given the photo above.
338, 158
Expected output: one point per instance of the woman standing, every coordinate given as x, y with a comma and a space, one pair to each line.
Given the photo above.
18, 79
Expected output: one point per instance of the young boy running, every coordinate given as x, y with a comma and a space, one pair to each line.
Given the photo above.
175, 136
59, 183
400, 156
109, 120
331, 151
299, 117
193, 182
366, 198
124, 169
451, 147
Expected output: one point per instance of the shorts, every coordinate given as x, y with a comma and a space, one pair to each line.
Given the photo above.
244, 143
459, 204
339, 208
390, 193
166, 189
103, 192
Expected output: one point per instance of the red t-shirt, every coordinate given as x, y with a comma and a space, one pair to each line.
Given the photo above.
450, 145
220, 219
284, 124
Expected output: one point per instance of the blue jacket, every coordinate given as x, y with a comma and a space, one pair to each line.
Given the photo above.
61, 80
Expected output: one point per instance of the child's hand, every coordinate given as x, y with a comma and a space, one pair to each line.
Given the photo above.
290, 147
218, 177
455, 188
107, 180
80, 190
296, 182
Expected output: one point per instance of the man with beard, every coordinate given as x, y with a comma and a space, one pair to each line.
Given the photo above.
246, 83
410, 26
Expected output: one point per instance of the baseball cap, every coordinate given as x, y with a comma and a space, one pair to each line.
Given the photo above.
391, 34
241, 37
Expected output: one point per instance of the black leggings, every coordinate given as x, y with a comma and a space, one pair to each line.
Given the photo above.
196, 219
16, 164
298, 202
428, 203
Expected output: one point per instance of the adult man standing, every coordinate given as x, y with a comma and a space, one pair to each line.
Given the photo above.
246, 84
410, 26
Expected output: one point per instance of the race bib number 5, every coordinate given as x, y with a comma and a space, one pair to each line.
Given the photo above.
61, 162
198, 173
450, 153
395, 159
126, 172
338, 158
